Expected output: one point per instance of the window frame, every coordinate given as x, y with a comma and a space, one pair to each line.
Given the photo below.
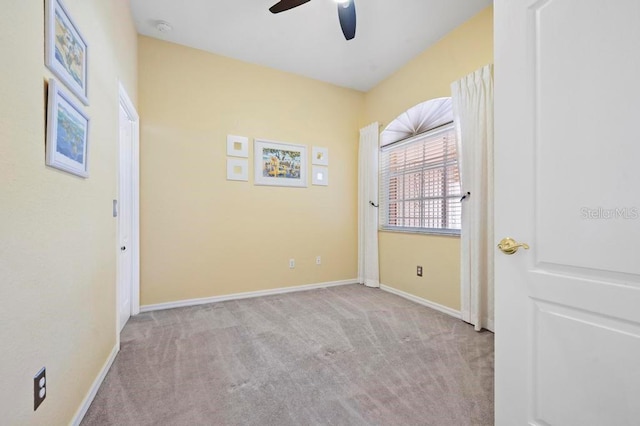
384, 186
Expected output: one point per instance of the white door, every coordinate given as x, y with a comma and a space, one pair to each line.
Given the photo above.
567, 182
125, 219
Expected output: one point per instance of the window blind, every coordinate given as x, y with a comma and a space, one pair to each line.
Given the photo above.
420, 183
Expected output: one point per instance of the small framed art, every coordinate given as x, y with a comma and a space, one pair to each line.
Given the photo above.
67, 133
320, 156
238, 169
320, 175
237, 146
280, 164
66, 49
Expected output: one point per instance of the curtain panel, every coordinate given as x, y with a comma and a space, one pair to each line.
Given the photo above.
473, 116
368, 269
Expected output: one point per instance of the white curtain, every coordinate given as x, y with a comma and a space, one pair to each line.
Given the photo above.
368, 270
473, 117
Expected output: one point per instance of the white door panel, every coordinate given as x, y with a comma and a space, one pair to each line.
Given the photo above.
585, 372
567, 100
586, 59
125, 219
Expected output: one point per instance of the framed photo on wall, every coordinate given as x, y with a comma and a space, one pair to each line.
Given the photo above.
320, 156
67, 133
320, 175
66, 49
237, 146
280, 164
238, 169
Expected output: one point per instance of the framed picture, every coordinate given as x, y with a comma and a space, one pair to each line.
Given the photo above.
320, 175
66, 49
67, 133
237, 146
320, 156
280, 164
237, 169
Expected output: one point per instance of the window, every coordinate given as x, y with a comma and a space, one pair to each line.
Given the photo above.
420, 183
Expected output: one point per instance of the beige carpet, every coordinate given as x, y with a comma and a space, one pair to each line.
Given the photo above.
346, 355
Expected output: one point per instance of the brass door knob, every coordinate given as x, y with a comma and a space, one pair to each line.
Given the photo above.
510, 246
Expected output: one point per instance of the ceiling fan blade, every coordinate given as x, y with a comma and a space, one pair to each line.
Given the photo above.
283, 5
347, 16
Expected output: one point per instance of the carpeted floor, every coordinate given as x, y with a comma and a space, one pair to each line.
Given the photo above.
346, 355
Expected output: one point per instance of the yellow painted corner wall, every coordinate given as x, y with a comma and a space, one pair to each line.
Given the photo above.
58, 245
204, 236
428, 76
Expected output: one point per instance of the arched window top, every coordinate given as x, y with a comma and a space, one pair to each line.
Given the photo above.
418, 119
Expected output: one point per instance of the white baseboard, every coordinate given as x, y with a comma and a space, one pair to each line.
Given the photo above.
490, 325
424, 302
247, 295
466, 317
77, 418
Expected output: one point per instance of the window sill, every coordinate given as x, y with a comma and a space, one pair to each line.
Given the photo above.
419, 231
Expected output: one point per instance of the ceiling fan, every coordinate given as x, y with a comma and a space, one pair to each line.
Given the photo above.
346, 13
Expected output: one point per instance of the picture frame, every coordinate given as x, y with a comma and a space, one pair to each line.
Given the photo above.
67, 144
237, 146
320, 156
320, 175
66, 50
238, 169
280, 164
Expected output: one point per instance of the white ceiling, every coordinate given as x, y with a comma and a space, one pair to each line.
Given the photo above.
308, 40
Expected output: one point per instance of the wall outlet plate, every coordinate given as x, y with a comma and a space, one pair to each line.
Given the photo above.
39, 388
419, 271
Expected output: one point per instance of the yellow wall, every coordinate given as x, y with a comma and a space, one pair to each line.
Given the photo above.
201, 235
58, 246
204, 236
428, 76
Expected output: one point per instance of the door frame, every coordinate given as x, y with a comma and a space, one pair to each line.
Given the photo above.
127, 105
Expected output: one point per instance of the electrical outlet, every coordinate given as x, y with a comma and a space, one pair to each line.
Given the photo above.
39, 388
292, 263
318, 260
419, 271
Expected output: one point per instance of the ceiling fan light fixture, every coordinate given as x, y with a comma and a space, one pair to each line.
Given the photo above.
346, 13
